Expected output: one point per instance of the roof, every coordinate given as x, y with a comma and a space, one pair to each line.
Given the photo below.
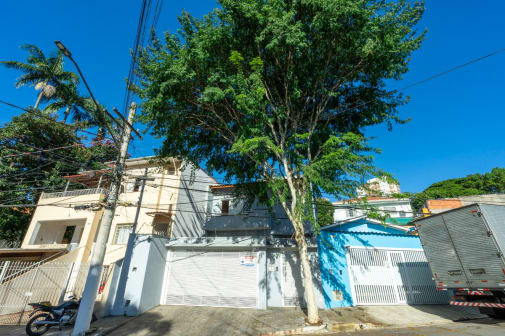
369, 220
399, 220
448, 203
450, 210
22, 251
372, 199
222, 186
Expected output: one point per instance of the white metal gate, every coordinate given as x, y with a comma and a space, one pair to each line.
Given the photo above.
24, 282
220, 279
293, 289
392, 276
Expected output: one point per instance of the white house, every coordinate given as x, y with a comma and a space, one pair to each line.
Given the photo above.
398, 209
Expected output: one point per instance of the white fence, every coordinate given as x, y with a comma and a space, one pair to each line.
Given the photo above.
25, 282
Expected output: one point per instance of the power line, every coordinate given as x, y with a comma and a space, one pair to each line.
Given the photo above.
34, 112
440, 74
42, 151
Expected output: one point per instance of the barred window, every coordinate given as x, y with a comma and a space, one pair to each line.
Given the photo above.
122, 233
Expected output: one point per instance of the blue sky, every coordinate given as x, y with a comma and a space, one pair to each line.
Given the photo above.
457, 120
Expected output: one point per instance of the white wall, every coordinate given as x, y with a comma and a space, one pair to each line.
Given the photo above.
391, 207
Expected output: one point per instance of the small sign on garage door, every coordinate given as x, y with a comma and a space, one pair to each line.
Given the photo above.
247, 260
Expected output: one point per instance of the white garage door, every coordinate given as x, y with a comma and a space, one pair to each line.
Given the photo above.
293, 290
382, 276
221, 279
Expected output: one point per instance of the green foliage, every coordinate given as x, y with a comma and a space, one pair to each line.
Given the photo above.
40, 68
474, 184
49, 70
324, 209
280, 91
24, 176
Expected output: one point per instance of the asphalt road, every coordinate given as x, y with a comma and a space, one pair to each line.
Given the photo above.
484, 327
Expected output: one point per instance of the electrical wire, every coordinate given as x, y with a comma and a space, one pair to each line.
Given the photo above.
437, 75
49, 118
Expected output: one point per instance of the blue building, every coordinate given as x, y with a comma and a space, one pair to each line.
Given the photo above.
366, 262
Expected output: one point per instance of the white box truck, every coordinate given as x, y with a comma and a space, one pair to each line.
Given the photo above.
465, 250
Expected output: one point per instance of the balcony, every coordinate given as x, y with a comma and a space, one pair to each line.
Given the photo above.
57, 234
73, 193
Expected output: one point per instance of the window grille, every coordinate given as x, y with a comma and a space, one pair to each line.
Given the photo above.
122, 233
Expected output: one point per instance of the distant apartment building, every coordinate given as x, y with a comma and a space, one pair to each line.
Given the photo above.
378, 186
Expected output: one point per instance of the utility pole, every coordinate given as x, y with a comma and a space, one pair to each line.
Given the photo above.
96, 265
125, 267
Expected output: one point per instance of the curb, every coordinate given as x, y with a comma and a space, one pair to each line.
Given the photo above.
303, 330
350, 327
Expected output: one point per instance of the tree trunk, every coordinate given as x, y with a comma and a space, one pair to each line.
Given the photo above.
65, 115
38, 99
308, 284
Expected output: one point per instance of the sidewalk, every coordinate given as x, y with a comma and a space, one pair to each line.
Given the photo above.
203, 321
210, 321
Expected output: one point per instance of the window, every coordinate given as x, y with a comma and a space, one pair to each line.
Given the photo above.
402, 214
350, 212
171, 170
161, 229
122, 233
69, 233
138, 183
225, 206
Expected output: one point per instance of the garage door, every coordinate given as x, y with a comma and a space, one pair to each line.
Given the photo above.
382, 276
221, 279
293, 290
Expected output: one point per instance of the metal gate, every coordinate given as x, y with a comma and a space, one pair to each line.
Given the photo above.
220, 279
392, 276
25, 282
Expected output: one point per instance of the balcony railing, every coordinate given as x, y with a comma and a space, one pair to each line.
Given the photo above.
73, 193
9, 244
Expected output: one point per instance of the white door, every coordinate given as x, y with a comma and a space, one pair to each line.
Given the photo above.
389, 277
221, 279
292, 289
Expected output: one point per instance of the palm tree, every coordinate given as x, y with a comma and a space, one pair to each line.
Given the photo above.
44, 72
67, 97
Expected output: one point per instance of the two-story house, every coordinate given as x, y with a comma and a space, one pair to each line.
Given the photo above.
64, 224
67, 221
228, 254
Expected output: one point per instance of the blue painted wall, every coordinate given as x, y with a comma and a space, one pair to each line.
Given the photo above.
332, 253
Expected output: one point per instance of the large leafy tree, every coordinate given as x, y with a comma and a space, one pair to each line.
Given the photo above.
46, 71
324, 210
281, 91
35, 153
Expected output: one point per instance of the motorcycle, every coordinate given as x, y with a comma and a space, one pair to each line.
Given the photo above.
46, 316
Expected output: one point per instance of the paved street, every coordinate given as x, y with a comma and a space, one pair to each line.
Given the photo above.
485, 327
